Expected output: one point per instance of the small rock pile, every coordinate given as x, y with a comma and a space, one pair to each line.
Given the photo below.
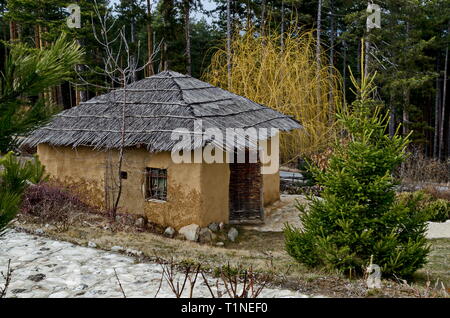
214, 233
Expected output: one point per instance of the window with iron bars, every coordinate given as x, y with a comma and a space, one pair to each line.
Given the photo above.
156, 184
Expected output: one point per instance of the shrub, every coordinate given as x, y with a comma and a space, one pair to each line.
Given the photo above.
438, 211
437, 193
15, 173
435, 210
357, 216
9, 206
14, 178
50, 203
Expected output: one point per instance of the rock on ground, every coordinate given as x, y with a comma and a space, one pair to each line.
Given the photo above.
205, 235
169, 232
232, 234
190, 232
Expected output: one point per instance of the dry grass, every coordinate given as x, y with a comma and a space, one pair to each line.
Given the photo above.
419, 169
436, 193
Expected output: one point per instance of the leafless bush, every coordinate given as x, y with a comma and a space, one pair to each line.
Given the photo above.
238, 283
437, 193
7, 277
232, 282
431, 290
188, 273
52, 204
418, 168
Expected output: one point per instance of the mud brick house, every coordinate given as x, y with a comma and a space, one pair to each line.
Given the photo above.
80, 147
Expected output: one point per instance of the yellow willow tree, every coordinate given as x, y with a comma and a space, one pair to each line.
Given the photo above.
288, 78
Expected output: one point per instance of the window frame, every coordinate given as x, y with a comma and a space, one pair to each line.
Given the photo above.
155, 176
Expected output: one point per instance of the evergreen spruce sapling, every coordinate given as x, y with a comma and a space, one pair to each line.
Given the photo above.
357, 216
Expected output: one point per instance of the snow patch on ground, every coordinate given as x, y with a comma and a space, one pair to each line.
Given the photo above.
55, 269
438, 230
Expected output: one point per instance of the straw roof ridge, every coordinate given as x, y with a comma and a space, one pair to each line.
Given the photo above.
155, 108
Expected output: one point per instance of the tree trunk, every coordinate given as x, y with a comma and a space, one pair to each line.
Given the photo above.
405, 117
391, 116
444, 102
437, 112
121, 150
187, 30
282, 26
149, 69
344, 72
319, 26
133, 57
229, 42
332, 38
166, 60
12, 30
263, 17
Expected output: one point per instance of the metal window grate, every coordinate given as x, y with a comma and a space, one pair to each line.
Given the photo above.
156, 184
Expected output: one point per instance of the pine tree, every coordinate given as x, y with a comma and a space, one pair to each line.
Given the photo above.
357, 218
28, 73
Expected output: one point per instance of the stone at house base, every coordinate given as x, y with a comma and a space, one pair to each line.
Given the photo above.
205, 235
169, 232
214, 227
232, 234
221, 226
190, 232
91, 244
140, 222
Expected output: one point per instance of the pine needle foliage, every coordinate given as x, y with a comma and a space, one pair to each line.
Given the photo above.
28, 73
357, 219
15, 176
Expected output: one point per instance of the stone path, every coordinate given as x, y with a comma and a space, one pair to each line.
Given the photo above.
48, 268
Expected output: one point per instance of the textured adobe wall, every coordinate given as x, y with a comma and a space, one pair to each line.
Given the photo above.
82, 169
183, 205
197, 193
271, 182
271, 188
215, 178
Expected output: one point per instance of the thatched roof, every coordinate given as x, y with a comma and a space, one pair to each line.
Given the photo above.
155, 107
